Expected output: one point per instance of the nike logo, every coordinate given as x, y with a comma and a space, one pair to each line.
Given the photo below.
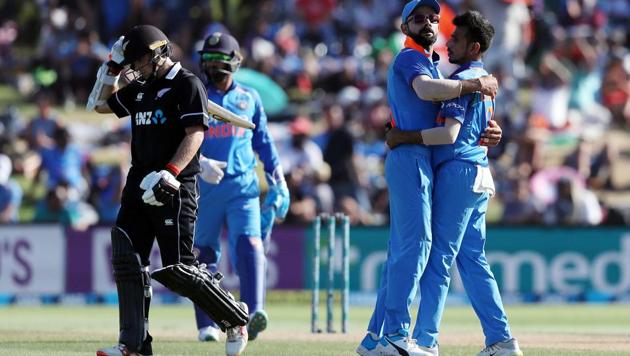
398, 348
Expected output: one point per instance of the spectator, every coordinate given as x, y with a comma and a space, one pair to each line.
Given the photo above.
594, 162
616, 90
64, 162
550, 94
11, 123
39, 131
57, 207
10, 193
574, 205
519, 206
349, 191
106, 190
512, 36
306, 173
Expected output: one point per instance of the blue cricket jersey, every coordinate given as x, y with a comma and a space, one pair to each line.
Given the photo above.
473, 111
236, 145
408, 111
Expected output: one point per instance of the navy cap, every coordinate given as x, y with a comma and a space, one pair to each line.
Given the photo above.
413, 4
219, 42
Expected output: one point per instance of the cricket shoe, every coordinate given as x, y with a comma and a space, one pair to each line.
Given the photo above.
402, 344
118, 350
236, 339
209, 333
502, 348
369, 346
257, 323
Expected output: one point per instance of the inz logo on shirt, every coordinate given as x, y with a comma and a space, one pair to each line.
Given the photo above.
150, 117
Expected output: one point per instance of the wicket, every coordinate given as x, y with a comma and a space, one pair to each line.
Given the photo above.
344, 221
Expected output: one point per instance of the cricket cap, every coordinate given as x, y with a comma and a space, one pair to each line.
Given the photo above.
413, 4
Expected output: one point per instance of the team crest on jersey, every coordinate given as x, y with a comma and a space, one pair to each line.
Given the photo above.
242, 104
144, 118
214, 39
139, 96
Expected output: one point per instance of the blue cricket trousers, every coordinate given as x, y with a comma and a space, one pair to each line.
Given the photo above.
410, 183
459, 232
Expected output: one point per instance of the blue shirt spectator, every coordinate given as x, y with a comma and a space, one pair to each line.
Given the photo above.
63, 162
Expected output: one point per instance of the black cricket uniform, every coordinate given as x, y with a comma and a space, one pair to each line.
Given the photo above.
160, 113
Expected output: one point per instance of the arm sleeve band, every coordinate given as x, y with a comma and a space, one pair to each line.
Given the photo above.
436, 89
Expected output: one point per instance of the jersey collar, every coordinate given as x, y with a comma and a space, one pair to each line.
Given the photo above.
410, 43
211, 86
174, 70
468, 65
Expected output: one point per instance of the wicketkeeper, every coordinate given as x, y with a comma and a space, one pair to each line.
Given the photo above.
229, 187
168, 109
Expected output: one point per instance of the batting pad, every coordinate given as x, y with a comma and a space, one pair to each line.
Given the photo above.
204, 290
131, 290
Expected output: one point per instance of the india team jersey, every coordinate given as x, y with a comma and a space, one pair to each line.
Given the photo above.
473, 111
408, 111
236, 145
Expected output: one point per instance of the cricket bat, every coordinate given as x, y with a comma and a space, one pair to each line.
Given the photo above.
219, 113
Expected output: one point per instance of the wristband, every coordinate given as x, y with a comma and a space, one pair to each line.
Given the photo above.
173, 169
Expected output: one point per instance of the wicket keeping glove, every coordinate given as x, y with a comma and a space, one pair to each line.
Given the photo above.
160, 188
211, 170
276, 202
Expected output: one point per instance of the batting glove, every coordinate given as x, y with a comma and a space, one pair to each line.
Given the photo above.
116, 56
276, 204
108, 74
211, 170
160, 188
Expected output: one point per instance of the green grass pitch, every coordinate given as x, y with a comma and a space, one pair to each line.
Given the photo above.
542, 330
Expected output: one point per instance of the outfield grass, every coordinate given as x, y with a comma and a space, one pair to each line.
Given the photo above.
542, 330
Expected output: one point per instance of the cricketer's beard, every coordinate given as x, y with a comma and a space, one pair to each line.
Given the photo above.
425, 42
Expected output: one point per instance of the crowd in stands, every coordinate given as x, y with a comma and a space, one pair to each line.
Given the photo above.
563, 68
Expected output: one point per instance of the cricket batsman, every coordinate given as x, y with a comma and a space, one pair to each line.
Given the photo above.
230, 190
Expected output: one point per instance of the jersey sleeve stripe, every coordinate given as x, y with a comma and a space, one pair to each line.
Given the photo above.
121, 104
193, 114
